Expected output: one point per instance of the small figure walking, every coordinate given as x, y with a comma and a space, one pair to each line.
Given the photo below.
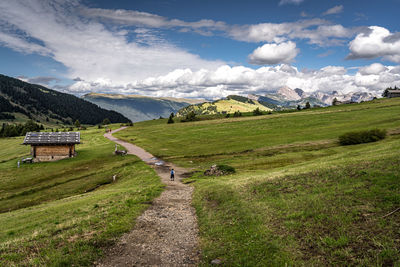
172, 175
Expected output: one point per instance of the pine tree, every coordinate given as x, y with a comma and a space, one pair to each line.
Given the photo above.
170, 119
77, 124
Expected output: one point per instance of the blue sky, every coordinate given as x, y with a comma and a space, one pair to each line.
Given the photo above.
201, 48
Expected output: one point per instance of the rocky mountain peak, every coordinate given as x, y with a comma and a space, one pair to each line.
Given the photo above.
300, 92
288, 93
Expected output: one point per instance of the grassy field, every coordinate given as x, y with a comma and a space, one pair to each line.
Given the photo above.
298, 197
63, 213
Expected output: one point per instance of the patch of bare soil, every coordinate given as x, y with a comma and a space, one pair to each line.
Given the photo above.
166, 234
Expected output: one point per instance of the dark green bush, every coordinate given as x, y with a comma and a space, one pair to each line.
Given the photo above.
237, 114
191, 116
257, 112
226, 169
360, 137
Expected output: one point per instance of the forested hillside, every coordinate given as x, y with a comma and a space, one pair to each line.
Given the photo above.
43, 104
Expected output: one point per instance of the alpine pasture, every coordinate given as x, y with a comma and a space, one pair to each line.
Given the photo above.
64, 213
298, 197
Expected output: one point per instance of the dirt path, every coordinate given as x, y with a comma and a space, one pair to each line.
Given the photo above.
166, 233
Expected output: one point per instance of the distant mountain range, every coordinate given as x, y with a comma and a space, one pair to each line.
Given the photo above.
21, 101
286, 97
140, 108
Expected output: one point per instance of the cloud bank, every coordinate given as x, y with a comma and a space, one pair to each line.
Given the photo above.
241, 80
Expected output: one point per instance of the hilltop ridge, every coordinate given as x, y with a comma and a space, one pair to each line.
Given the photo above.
230, 104
22, 101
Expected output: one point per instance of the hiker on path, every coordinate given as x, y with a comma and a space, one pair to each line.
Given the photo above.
172, 174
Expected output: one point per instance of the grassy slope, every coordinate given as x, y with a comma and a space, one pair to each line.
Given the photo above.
227, 105
50, 218
257, 134
298, 197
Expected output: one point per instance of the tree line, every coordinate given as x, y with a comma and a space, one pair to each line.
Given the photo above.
11, 130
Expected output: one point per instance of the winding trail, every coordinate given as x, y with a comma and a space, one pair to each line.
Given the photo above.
166, 234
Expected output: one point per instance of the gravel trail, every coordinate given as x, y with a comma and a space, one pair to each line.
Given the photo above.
166, 234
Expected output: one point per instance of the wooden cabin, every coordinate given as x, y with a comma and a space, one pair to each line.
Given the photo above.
393, 93
52, 145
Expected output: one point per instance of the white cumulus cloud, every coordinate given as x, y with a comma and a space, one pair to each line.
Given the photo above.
375, 68
376, 42
274, 53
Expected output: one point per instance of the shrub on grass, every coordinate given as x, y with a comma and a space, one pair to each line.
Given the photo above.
257, 112
360, 137
237, 114
226, 169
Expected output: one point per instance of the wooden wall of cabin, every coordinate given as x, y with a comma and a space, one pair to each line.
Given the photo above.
58, 150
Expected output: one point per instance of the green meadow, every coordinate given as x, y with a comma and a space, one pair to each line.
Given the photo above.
64, 213
297, 197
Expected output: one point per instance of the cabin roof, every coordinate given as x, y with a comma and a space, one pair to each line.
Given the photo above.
52, 138
394, 91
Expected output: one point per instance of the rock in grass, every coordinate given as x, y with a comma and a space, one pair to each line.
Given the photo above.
216, 261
